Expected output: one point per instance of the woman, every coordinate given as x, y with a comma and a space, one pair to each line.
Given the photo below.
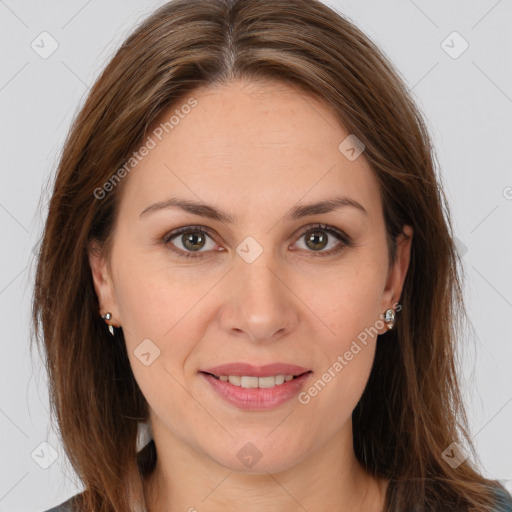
263, 274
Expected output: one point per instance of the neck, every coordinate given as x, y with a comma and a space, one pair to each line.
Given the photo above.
331, 478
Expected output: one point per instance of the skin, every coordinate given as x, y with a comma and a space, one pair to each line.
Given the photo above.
255, 151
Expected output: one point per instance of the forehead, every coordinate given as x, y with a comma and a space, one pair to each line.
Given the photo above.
247, 146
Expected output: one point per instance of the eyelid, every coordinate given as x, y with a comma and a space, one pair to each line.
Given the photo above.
185, 229
330, 229
180, 253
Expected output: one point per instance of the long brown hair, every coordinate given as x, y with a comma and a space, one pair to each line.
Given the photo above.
411, 409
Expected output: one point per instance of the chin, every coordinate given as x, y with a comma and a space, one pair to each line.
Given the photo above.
257, 455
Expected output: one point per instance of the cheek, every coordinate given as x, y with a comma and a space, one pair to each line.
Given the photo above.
350, 306
162, 312
349, 302
153, 299
158, 326
341, 379
145, 305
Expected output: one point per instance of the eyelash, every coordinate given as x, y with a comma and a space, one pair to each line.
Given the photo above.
345, 240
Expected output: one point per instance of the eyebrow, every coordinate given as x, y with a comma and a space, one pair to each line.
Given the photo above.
297, 212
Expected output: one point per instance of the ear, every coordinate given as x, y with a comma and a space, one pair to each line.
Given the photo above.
103, 283
397, 272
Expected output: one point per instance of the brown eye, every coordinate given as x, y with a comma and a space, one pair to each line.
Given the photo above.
184, 242
317, 238
193, 240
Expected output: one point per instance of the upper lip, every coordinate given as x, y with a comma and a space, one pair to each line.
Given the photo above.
267, 370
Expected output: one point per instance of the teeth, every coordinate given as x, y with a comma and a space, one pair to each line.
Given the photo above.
235, 380
246, 381
280, 379
250, 382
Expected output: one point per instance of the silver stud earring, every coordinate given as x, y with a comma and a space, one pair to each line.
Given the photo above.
389, 318
106, 317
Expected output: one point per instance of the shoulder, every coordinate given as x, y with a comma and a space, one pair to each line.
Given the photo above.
66, 506
504, 502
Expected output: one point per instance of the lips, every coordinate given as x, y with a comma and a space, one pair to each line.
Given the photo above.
256, 398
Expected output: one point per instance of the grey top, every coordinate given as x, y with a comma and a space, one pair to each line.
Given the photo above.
504, 503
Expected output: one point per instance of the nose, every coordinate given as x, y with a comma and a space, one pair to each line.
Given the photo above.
259, 303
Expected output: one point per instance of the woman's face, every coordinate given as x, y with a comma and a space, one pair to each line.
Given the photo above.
266, 286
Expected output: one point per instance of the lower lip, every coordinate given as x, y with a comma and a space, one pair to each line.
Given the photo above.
257, 398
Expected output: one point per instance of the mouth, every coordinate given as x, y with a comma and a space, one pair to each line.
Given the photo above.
251, 387
256, 392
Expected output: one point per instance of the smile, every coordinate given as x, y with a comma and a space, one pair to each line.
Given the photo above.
246, 381
248, 392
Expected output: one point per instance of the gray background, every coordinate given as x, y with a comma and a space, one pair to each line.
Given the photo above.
468, 105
